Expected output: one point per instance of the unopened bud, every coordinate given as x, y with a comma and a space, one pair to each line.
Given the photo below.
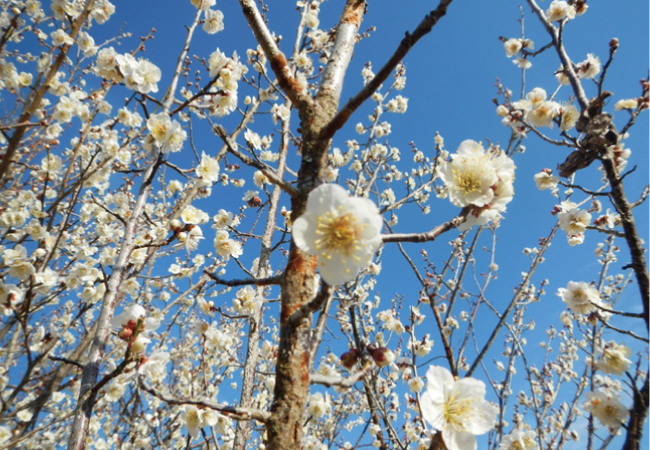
381, 355
175, 225
613, 44
350, 359
125, 334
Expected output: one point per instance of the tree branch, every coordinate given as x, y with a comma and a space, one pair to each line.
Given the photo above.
404, 47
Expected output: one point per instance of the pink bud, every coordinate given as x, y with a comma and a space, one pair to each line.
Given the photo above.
125, 334
382, 356
350, 359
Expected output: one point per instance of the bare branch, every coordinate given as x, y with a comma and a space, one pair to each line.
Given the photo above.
426, 236
269, 281
227, 410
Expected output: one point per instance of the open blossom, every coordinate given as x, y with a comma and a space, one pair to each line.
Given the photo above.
247, 302
469, 176
166, 132
225, 246
613, 358
574, 221
457, 408
196, 418
546, 180
588, 68
140, 75
512, 46
319, 405
208, 169
569, 118
580, 297
628, 103
213, 21
128, 321
343, 231
519, 440
479, 179
560, 10
606, 406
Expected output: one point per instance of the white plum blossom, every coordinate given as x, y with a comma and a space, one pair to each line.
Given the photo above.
194, 420
469, 176
560, 10
480, 179
588, 68
225, 246
580, 297
546, 180
573, 221
167, 133
154, 367
319, 405
194, 215
628, 103
247, 302
513, 46
190, 238
605, 405
208, 169
343, 231
457, 408
203, 5
569, 117
128, 321
519, 440
213, 21
613, 358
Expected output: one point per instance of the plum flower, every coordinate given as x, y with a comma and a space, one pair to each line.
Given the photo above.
614, 358
128, 321
580, 297
343, 231
606, 406
456, 408
479, 179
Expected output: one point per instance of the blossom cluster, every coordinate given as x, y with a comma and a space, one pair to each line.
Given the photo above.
479, 180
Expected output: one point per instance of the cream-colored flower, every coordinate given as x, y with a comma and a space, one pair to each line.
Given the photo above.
343, 231
606, 406
546, 180
456, 408
628, 103
469, 176
613, 358
560, 10
512, 46
580, 297
569, 118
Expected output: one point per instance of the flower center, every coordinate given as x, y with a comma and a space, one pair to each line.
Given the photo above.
467, 181
457, 412
613, 412
339, 233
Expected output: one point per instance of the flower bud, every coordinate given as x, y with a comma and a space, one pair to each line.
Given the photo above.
350, 359
125, 334
381, 355
175, 225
